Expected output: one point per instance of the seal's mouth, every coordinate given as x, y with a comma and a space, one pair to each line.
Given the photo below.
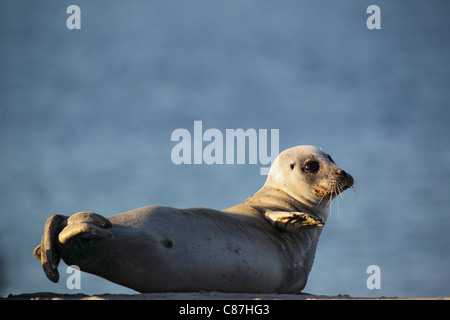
336, 186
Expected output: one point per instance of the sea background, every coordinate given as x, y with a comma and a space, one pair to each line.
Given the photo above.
86, 118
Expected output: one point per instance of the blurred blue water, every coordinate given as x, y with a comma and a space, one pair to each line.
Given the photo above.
86, 118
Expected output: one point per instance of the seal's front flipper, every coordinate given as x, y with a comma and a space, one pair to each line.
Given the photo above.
293, 221
46, 251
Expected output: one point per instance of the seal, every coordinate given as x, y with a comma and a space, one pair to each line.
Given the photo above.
266, 244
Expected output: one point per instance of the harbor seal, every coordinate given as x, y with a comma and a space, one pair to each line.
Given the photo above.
266, 244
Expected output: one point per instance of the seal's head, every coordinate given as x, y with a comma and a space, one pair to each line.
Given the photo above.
308, 175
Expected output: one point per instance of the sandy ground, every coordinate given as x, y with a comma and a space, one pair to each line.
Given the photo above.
196, 296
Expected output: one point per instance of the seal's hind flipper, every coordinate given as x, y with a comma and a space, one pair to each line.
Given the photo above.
85, 225
59, 229
46, 251
293, 221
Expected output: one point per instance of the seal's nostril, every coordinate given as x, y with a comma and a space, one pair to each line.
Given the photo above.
342, 172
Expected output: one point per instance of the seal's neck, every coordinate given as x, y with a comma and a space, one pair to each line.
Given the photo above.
274, 199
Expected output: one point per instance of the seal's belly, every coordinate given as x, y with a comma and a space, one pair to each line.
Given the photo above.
192, 249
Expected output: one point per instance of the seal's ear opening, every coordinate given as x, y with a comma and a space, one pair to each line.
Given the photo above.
292, 166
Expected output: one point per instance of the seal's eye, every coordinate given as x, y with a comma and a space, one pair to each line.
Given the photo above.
311, 166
